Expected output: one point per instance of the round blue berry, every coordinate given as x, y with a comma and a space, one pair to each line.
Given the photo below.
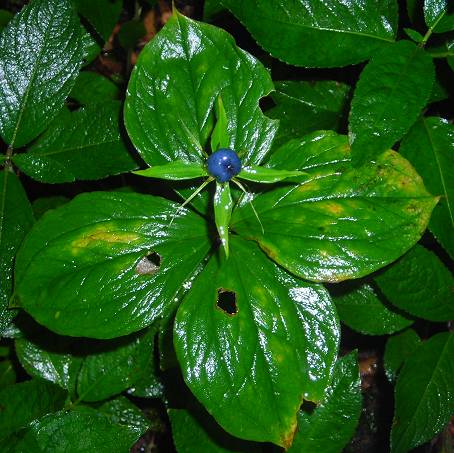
224, 164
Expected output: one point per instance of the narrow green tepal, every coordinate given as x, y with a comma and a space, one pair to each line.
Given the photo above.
107, 264
392, 90
223, 205
175, 171
340, 222
174, 92
41, 52
249, 328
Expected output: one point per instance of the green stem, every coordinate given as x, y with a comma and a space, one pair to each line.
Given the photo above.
430, 31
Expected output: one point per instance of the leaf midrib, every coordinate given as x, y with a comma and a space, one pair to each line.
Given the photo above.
32, 76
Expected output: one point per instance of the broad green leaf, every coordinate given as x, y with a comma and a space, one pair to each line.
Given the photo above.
303, 107
361, 309
92, 88
175, 171
81, 145
318, 33
248, 328
24, 402
429, 146
7, 373
255, 173
48, 356
170, 121
340, 408
5, 17
223, 205
398, 348
130, 33
113, 263
75, 432
198, 433
41, 52
113, 366
101, 14
420, 284
16, 218
340, 222
439, 15
424, 394
121, 411
392, 90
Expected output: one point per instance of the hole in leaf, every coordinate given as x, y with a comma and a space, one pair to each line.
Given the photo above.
227, 301
149, 264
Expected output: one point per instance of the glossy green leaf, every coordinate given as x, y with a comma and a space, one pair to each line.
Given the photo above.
320, 33
175, 171
48, 356
255, 173
420, 284
101, 14
41, 52
223, 205
168, 121
16, 218
392, 90
80, 145
198, 433
7, 373
130, 33
398, 348
91, 48
24, 402
121, 411
75, 432
360, 308
429, 146
439, 15
303, 107
248, 328
424, 394
114, 366
340, 222
340, 408
92, 88
414, 35
108, 261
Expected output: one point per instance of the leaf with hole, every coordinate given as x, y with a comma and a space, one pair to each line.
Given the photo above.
341, 407
248, 328
120, 242
319, 33
41, 53
168, 121
340, 222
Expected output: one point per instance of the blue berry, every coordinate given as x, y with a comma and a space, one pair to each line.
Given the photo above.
224, 164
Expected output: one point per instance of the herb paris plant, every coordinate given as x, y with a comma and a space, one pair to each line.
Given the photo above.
253, 329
